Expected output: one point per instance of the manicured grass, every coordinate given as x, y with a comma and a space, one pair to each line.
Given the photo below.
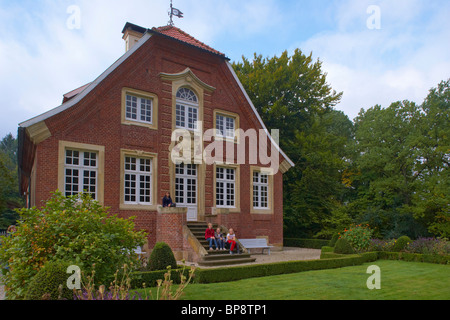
399, 281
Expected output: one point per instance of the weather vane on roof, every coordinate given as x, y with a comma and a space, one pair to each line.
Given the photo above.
174, 12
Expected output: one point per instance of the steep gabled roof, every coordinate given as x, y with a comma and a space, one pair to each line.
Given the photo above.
180, 35
75, 96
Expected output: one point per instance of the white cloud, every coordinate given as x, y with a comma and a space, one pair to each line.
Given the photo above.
402, 60
41, 59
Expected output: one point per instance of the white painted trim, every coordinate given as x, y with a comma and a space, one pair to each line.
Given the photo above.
230, 67
87, 90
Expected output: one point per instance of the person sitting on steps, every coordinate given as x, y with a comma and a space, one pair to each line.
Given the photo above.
231, 239
209, 236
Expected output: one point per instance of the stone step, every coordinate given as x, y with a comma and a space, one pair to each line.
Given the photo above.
225, 256
216, 257
210, 263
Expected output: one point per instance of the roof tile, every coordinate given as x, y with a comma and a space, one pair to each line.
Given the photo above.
180, 35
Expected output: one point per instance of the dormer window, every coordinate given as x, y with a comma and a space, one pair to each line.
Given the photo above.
139, 108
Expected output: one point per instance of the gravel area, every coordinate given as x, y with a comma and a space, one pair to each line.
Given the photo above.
287, 254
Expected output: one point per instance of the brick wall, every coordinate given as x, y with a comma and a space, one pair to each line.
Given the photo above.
97, 120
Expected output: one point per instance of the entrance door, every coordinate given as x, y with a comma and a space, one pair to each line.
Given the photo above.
186, 189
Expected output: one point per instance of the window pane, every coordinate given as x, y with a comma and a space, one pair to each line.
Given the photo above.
229, 126
180, 116
146, 110
131, 107
219, 125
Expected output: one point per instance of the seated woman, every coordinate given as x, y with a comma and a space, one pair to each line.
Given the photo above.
220, 239
209, 236
167, 201
231, 239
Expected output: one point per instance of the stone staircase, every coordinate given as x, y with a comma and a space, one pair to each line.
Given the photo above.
216, 257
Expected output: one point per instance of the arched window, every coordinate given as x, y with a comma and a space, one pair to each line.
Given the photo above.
186, 109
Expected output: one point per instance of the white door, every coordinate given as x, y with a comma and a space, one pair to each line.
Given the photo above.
186, 189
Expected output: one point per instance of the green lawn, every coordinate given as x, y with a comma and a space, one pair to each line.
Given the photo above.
399, 281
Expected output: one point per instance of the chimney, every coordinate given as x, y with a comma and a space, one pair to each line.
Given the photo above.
131, 34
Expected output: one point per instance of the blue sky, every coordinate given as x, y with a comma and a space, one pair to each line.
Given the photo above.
41, 57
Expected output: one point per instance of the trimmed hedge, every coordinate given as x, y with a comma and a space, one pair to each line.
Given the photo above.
328, 260
48, 280
327, 249
414, 257
343, 246
161, 257
330, 255
305, 243
401, 243
214, 275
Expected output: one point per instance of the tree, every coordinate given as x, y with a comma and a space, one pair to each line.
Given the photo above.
291, 94
431, 200
402, 156
287, 91
9, 185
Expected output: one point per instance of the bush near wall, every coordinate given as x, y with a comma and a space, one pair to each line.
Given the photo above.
305, 243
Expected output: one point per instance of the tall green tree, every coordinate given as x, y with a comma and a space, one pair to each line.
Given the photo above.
431, 201
287, 92
291, 94
401, 167
9, 185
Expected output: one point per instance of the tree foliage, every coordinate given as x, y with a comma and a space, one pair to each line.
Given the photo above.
76, 229
402, 157
9, 185
388, 168
291, 94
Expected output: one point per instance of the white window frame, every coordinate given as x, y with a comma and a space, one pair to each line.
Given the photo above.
138, 173
139, 108
186, 175
223, 128
185, 109
225, 187
259, 184
82, 168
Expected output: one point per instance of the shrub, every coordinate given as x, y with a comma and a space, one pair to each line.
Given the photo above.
381, 245
343, 247
401, 243
358, 236
429, 246
161, 257
334, 239
305, 243
76, 229
46, 284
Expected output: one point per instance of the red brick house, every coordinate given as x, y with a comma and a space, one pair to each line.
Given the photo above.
114, 139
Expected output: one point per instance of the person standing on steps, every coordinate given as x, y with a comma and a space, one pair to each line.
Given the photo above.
209, 236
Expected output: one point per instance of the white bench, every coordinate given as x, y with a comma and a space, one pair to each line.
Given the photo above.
259, 243
139, 251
